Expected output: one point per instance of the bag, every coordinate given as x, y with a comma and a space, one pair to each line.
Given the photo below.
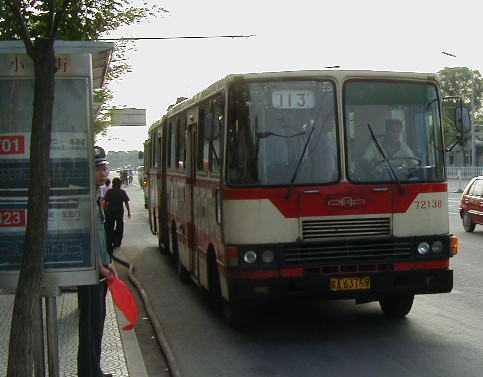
124, 300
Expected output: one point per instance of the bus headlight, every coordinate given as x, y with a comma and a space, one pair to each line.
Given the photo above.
437, 247
268, 256
423, 248
250, 257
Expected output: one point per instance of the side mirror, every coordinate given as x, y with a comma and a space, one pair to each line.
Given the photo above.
464, 117
457, 121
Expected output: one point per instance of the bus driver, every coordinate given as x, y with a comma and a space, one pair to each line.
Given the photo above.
395, 149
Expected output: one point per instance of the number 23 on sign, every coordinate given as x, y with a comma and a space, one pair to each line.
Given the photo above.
12, 217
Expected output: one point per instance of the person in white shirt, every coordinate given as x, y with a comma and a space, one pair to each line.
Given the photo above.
393, 145
396, 150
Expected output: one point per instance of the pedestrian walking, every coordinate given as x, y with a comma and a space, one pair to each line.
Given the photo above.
115, 201
92, 298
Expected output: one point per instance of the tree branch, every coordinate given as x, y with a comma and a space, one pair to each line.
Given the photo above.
59, 18
51, 16
24, 33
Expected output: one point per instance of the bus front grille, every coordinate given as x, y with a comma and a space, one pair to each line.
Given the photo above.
319, 229
348, 251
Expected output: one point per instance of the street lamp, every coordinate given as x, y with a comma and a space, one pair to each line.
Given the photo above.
472, 108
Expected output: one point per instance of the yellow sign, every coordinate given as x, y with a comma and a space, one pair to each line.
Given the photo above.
349, 284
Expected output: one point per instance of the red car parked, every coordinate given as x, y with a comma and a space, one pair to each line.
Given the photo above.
471, 206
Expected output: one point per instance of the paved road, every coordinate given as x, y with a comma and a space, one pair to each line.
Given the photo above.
443, 335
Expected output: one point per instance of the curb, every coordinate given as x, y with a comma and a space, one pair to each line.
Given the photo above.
158, 329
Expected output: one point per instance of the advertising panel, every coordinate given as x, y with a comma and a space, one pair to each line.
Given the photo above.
70, 257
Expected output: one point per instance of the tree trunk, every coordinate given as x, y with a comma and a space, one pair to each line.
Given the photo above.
25, 334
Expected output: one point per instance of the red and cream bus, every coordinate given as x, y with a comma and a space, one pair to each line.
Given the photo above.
325, 184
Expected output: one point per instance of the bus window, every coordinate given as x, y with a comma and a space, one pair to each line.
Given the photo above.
171, 144
181, 143
278, 130
210, 135
405, 120
156, 149
216, 133
203, 156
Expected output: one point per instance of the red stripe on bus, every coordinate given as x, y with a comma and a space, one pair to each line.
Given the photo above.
427, 265
255, 275
292, 272
339, 199
268, 274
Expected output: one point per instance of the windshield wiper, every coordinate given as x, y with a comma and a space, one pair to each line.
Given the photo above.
299, 162
263, 135
386, 160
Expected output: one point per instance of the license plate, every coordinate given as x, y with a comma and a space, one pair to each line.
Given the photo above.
350, 284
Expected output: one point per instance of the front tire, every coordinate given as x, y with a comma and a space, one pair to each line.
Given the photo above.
396, 306
468, 224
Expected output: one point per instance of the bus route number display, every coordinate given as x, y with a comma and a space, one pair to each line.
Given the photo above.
293, 99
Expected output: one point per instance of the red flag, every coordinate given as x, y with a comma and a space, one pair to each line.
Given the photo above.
124, 300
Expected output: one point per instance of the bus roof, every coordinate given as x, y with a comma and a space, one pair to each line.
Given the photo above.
337, 75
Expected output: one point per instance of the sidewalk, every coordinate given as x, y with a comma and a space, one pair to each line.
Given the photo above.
121, 355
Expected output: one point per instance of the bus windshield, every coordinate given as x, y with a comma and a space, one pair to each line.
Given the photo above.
282, 131
406, 125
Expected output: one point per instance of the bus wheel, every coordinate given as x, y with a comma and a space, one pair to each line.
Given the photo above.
396, 306
214, 287
468, 225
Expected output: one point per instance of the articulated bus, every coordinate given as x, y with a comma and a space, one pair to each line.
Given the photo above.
318, 184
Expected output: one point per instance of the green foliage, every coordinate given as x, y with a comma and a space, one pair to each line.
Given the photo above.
83, 20
467, 84
463, 82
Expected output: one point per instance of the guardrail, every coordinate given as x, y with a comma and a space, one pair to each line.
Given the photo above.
465, 172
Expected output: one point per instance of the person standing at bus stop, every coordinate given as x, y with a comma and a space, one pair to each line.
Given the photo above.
115, 200
92, 298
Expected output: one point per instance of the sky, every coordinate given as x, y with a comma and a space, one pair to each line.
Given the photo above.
395, 35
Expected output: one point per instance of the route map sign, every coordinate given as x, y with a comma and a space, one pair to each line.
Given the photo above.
70, 256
